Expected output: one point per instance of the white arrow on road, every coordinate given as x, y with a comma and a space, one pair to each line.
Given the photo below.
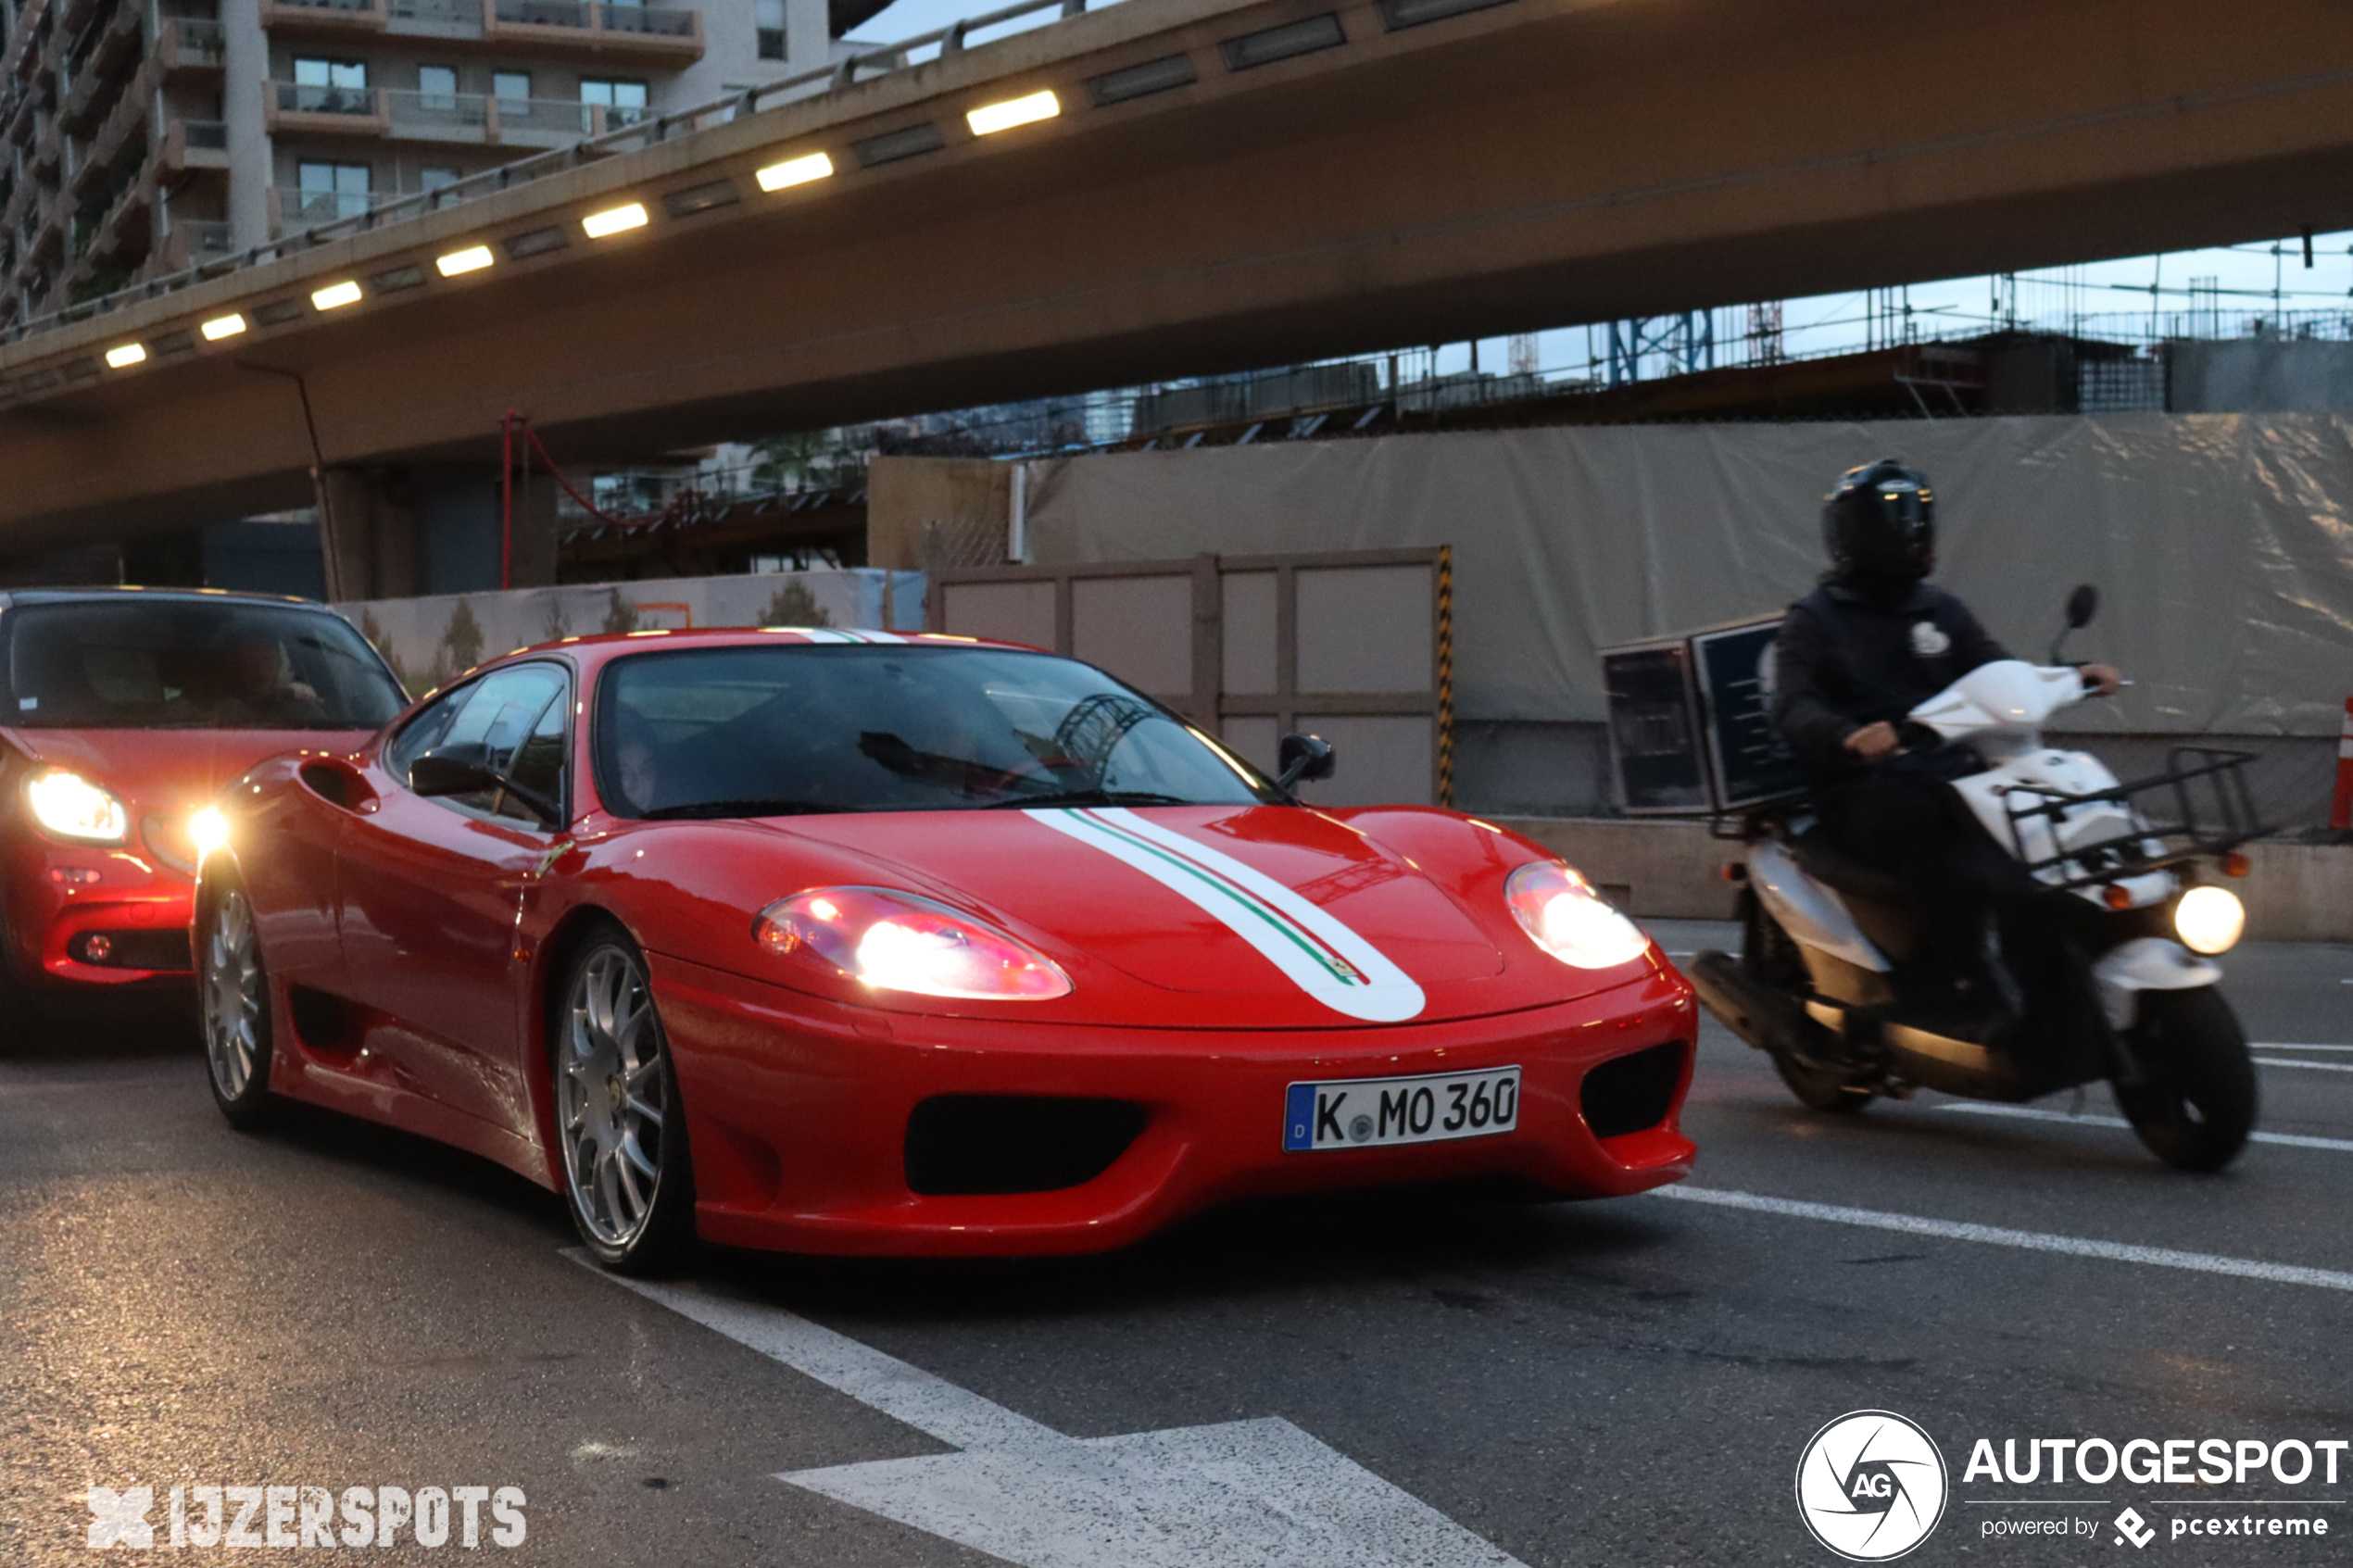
1242, 1494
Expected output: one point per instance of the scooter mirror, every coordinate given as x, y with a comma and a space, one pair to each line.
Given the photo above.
2081, 605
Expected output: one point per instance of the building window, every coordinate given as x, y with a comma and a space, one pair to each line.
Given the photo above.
768, 17
512, 89
437, 88
331, 87
623, 101
432, 180
328, 191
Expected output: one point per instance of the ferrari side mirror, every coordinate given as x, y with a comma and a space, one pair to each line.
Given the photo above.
1303, 757
2081, 605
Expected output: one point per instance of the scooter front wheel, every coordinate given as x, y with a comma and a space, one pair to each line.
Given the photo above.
2196, 1104
1819, 1088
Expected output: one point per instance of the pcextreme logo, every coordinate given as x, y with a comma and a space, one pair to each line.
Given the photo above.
1871, 1485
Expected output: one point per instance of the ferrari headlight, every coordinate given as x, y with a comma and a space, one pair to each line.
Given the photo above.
71, 807
902, 942
1560, 910
208, 830
2210, 920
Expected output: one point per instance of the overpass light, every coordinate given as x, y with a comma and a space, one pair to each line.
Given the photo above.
795, 171
991, 118
122, 359
471, 259
614, 220
335, 296
224, 326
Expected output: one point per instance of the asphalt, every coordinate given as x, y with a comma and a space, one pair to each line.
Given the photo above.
1617, 1383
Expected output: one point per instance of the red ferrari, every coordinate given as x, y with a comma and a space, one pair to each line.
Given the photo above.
854, 943
124, 711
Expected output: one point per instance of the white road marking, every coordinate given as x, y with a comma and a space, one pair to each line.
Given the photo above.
2035, 1114
2031, 1241
2315, 1066
2291, 1045
1242, 1494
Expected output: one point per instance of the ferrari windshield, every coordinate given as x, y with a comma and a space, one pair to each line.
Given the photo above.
748, 732
140, 663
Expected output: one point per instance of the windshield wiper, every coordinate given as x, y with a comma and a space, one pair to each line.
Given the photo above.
734, 808
1088, 797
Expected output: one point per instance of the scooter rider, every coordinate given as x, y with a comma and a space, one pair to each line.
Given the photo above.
1853, 658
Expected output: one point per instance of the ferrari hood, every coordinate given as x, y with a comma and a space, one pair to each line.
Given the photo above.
157, 770
1298, 910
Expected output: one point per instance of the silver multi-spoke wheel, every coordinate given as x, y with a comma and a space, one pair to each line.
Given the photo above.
612, 1096
235, 1030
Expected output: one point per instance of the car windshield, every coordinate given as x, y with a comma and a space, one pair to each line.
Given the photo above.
139, 663
748, 732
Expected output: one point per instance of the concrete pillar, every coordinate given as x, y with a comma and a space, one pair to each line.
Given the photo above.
369, 533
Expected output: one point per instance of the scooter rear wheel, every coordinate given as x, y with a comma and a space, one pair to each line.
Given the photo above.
1817, 1090
2198, 1103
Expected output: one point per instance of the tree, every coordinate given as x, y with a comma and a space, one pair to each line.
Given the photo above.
621, 615
794, 605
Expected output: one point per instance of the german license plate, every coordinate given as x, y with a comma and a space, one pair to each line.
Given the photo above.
1370, 1112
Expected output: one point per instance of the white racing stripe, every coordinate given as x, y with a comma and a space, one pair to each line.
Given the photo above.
839, 634
2036, 1113
2030, 1241
1320, 955
1239, 1494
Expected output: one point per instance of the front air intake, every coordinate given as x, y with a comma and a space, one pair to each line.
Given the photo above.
1631, 1093
963, 1144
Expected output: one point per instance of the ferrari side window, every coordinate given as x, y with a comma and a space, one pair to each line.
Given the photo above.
538, 762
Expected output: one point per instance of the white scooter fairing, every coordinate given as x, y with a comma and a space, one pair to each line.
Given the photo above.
2000, 708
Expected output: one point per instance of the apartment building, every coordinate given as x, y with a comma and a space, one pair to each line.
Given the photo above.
142, 137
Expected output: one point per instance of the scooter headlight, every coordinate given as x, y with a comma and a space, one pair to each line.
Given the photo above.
2210, 920
71, 807
1568, 920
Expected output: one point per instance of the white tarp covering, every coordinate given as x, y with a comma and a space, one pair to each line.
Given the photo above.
2221, 542
431, 640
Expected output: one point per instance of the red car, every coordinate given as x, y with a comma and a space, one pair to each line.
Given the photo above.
854, 943
124, 711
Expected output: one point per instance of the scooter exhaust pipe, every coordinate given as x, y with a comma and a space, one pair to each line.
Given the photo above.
1749, 1007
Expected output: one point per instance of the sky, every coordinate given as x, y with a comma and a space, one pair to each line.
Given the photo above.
2103, 298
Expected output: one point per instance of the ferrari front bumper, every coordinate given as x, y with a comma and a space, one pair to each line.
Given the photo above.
798, 1111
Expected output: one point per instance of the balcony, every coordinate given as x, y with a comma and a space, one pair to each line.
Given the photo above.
322, 19
466, 117
640, 34
292, 209
194, 144
190, 46
190, 241
435, 18
327, 111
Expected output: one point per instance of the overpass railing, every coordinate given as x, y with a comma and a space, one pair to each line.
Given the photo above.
864, 65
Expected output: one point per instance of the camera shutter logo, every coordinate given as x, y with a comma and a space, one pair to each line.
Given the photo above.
1871, 1485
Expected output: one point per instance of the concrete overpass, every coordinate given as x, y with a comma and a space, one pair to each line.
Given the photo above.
1303, 178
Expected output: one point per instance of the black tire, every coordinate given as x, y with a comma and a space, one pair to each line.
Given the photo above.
1819, 1089
2198, 1103
616, 1093
233, 1007
1768, 952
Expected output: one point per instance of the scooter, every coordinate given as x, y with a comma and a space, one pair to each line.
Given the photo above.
2108, 972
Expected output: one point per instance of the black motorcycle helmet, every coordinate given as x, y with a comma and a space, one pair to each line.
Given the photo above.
1879, 523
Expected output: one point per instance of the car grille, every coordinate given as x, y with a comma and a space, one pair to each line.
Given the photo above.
1014, 1143
166, 950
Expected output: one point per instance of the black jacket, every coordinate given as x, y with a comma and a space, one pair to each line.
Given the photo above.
1845, 660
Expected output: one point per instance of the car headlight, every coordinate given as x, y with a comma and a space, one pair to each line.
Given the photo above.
2210, 920
902, 942
71, 807
207, 831
1560, 910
